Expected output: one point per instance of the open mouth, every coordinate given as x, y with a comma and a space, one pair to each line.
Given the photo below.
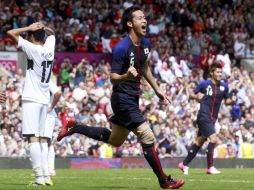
143, 27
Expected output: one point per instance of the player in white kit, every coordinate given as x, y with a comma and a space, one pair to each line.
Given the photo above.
55, 95
35, 95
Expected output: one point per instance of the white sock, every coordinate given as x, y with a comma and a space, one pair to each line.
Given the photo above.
44, 158
35, 152
51, 158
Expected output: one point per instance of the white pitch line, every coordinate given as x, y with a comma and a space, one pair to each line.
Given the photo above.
71, 177
221, 180
149, 179
139, 178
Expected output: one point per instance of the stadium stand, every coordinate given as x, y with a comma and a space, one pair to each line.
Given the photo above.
186, 35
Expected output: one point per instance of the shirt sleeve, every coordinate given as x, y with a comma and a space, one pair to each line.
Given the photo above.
200, 87
50, 43
118, 60
148, 47
26, 47
53, 88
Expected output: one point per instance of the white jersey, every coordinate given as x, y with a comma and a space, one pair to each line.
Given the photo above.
53, 89
39, 66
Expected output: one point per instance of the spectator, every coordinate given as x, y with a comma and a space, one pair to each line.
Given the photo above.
64, 74
246, 149
163, 153
80, 93
214, 35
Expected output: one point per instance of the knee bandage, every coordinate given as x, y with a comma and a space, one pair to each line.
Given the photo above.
144, 133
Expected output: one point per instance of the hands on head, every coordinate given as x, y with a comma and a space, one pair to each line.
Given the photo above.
36, 26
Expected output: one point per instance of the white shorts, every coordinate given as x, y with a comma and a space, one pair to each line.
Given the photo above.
33, 118
50, 125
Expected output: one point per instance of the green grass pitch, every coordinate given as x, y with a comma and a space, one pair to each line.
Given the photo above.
131, 179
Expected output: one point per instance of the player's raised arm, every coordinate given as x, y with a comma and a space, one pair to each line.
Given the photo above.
14, 33
49, 31
116, 76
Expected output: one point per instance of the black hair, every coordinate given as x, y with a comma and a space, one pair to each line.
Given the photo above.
127, 16
214, 66
38, 35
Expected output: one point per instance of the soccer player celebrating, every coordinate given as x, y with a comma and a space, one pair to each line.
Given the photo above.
210, 94
128, 67
35, 95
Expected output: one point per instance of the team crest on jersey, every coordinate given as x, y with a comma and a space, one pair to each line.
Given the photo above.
146, 50
222, 88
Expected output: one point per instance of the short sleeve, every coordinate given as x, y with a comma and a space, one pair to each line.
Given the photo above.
50, 43
26, 47
117, 60
147, 45
200, 87
53, 88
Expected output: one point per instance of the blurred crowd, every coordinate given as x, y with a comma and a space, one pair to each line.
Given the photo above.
86, 96
187, 36
181, 28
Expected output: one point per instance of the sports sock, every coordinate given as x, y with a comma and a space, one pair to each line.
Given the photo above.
153, 160
44, 158
35, 153
209, 154
191, 154
51, 158
97, 133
